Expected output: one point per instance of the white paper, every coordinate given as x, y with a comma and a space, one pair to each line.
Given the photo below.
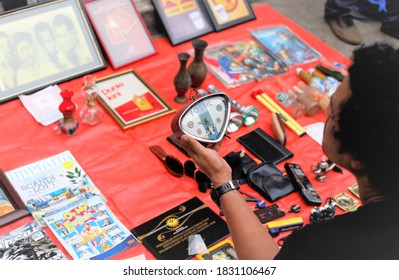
315, 131
43, 105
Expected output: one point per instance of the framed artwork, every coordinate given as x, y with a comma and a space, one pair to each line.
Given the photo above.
11, 206
228, 13
45, 44
130, 100
121, 30
183, 20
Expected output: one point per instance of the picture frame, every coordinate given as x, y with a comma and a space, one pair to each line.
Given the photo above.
12, 207
130, 99
225, 14
183, 21
121, 30
45, 44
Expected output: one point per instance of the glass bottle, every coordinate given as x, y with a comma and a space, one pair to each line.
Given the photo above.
288, 102
197, 69
68, 124
182, 80
91, 113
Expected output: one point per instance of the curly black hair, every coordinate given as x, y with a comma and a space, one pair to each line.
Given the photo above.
369, 120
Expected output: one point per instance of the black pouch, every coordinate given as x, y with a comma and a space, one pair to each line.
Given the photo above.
269, 181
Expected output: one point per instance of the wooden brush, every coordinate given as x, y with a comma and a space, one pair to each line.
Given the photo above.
172, 164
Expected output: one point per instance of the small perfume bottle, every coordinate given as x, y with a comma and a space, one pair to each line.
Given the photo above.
91, 113
68, 124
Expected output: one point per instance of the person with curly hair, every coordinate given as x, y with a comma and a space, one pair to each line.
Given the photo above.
361, 135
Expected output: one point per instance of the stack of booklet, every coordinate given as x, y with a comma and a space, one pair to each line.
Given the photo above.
59, 194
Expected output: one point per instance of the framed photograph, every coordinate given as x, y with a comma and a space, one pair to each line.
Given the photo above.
228, 13
130, 100
121, 30
11, 206
45, 44
183, 20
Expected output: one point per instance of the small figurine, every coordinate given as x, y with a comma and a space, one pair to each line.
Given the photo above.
321, 168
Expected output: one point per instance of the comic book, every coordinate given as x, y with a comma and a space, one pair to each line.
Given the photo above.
50, 183
238, 63
88, 229
285, 45
29, 242
225, 68
260, 63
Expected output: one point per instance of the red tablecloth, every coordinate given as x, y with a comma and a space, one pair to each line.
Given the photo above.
134, 180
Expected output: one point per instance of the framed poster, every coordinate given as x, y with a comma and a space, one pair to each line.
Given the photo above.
183, 20
11, 206
121, 29
228, 13
130, 100
43, 45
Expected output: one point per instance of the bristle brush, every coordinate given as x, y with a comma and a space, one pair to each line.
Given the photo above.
201, 178
172, 164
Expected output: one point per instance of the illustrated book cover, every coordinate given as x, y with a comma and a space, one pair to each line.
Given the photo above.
88, 229
285, 45
29, 242
50, 183
166, 236
238, 63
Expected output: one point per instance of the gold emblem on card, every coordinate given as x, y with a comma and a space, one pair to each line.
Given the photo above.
346, 202
354, 189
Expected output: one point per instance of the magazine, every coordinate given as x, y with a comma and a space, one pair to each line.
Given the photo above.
89, 230
167, 235
223, 66
29, 242
285, 45
50, 183
238, 63
260, 63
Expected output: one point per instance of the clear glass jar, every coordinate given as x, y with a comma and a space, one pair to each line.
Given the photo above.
91, 113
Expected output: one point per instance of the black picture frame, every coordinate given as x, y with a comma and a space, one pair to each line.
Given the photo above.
226, 14
10, 198
184, 21
121, 30
41, 52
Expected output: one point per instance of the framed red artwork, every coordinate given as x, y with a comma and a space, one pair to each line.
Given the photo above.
121, 30
130, 100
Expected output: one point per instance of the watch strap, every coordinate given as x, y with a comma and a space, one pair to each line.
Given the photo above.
216, 193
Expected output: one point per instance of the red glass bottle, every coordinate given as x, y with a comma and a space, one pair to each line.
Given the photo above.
68, 124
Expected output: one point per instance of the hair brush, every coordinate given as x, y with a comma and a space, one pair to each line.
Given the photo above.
172, 164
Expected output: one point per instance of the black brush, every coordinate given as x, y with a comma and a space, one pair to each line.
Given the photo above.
172, 164
202, 180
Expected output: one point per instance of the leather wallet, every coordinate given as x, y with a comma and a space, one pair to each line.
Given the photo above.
265, 147
269, 181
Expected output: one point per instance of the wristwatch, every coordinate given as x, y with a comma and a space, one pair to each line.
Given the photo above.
216, 193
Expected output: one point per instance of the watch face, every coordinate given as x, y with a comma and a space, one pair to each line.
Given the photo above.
207, 118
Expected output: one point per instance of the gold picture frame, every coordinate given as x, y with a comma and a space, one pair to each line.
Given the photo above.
130, 99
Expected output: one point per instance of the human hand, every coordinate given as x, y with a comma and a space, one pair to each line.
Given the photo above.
207, 159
